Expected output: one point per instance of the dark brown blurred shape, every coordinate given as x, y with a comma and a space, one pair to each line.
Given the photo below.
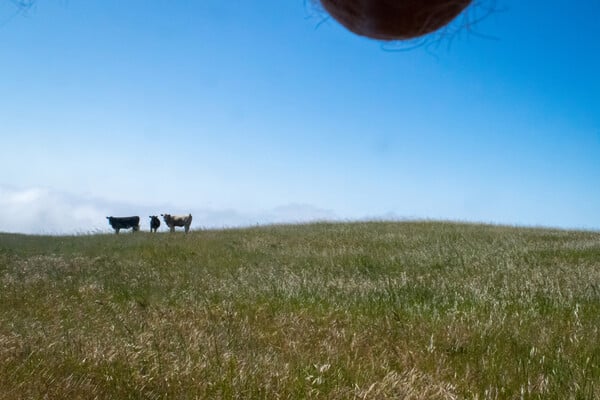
394, 19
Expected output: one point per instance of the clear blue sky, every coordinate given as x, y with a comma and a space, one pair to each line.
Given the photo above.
264, 111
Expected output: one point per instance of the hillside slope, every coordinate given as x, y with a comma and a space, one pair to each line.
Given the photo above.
416, 310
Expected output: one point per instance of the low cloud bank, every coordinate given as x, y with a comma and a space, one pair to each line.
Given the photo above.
43, 211
39, 210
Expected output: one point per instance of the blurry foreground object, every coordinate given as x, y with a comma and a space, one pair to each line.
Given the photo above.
394, 19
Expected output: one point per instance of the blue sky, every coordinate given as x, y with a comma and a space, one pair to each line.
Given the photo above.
246, 112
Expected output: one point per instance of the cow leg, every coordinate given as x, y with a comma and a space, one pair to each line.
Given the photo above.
117, 230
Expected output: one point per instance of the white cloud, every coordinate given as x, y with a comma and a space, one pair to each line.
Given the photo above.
291, 213
42, 210
38, 210
299, 213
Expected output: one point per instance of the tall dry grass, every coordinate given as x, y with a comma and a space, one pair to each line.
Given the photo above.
412, 310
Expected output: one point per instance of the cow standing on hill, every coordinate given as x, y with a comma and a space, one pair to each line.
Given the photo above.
119, 223
177, 220
154, 223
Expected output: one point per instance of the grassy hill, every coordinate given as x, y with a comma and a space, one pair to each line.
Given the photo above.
411, 310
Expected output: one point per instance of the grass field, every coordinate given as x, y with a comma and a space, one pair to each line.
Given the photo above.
410, 310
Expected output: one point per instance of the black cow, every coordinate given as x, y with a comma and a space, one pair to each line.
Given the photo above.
154, 223
119, 223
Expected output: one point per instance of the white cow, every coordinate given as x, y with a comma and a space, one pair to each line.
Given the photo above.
177, 220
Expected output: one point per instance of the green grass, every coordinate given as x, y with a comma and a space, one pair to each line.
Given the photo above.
412, 310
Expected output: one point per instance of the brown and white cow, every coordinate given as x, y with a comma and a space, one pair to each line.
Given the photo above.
178, 220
